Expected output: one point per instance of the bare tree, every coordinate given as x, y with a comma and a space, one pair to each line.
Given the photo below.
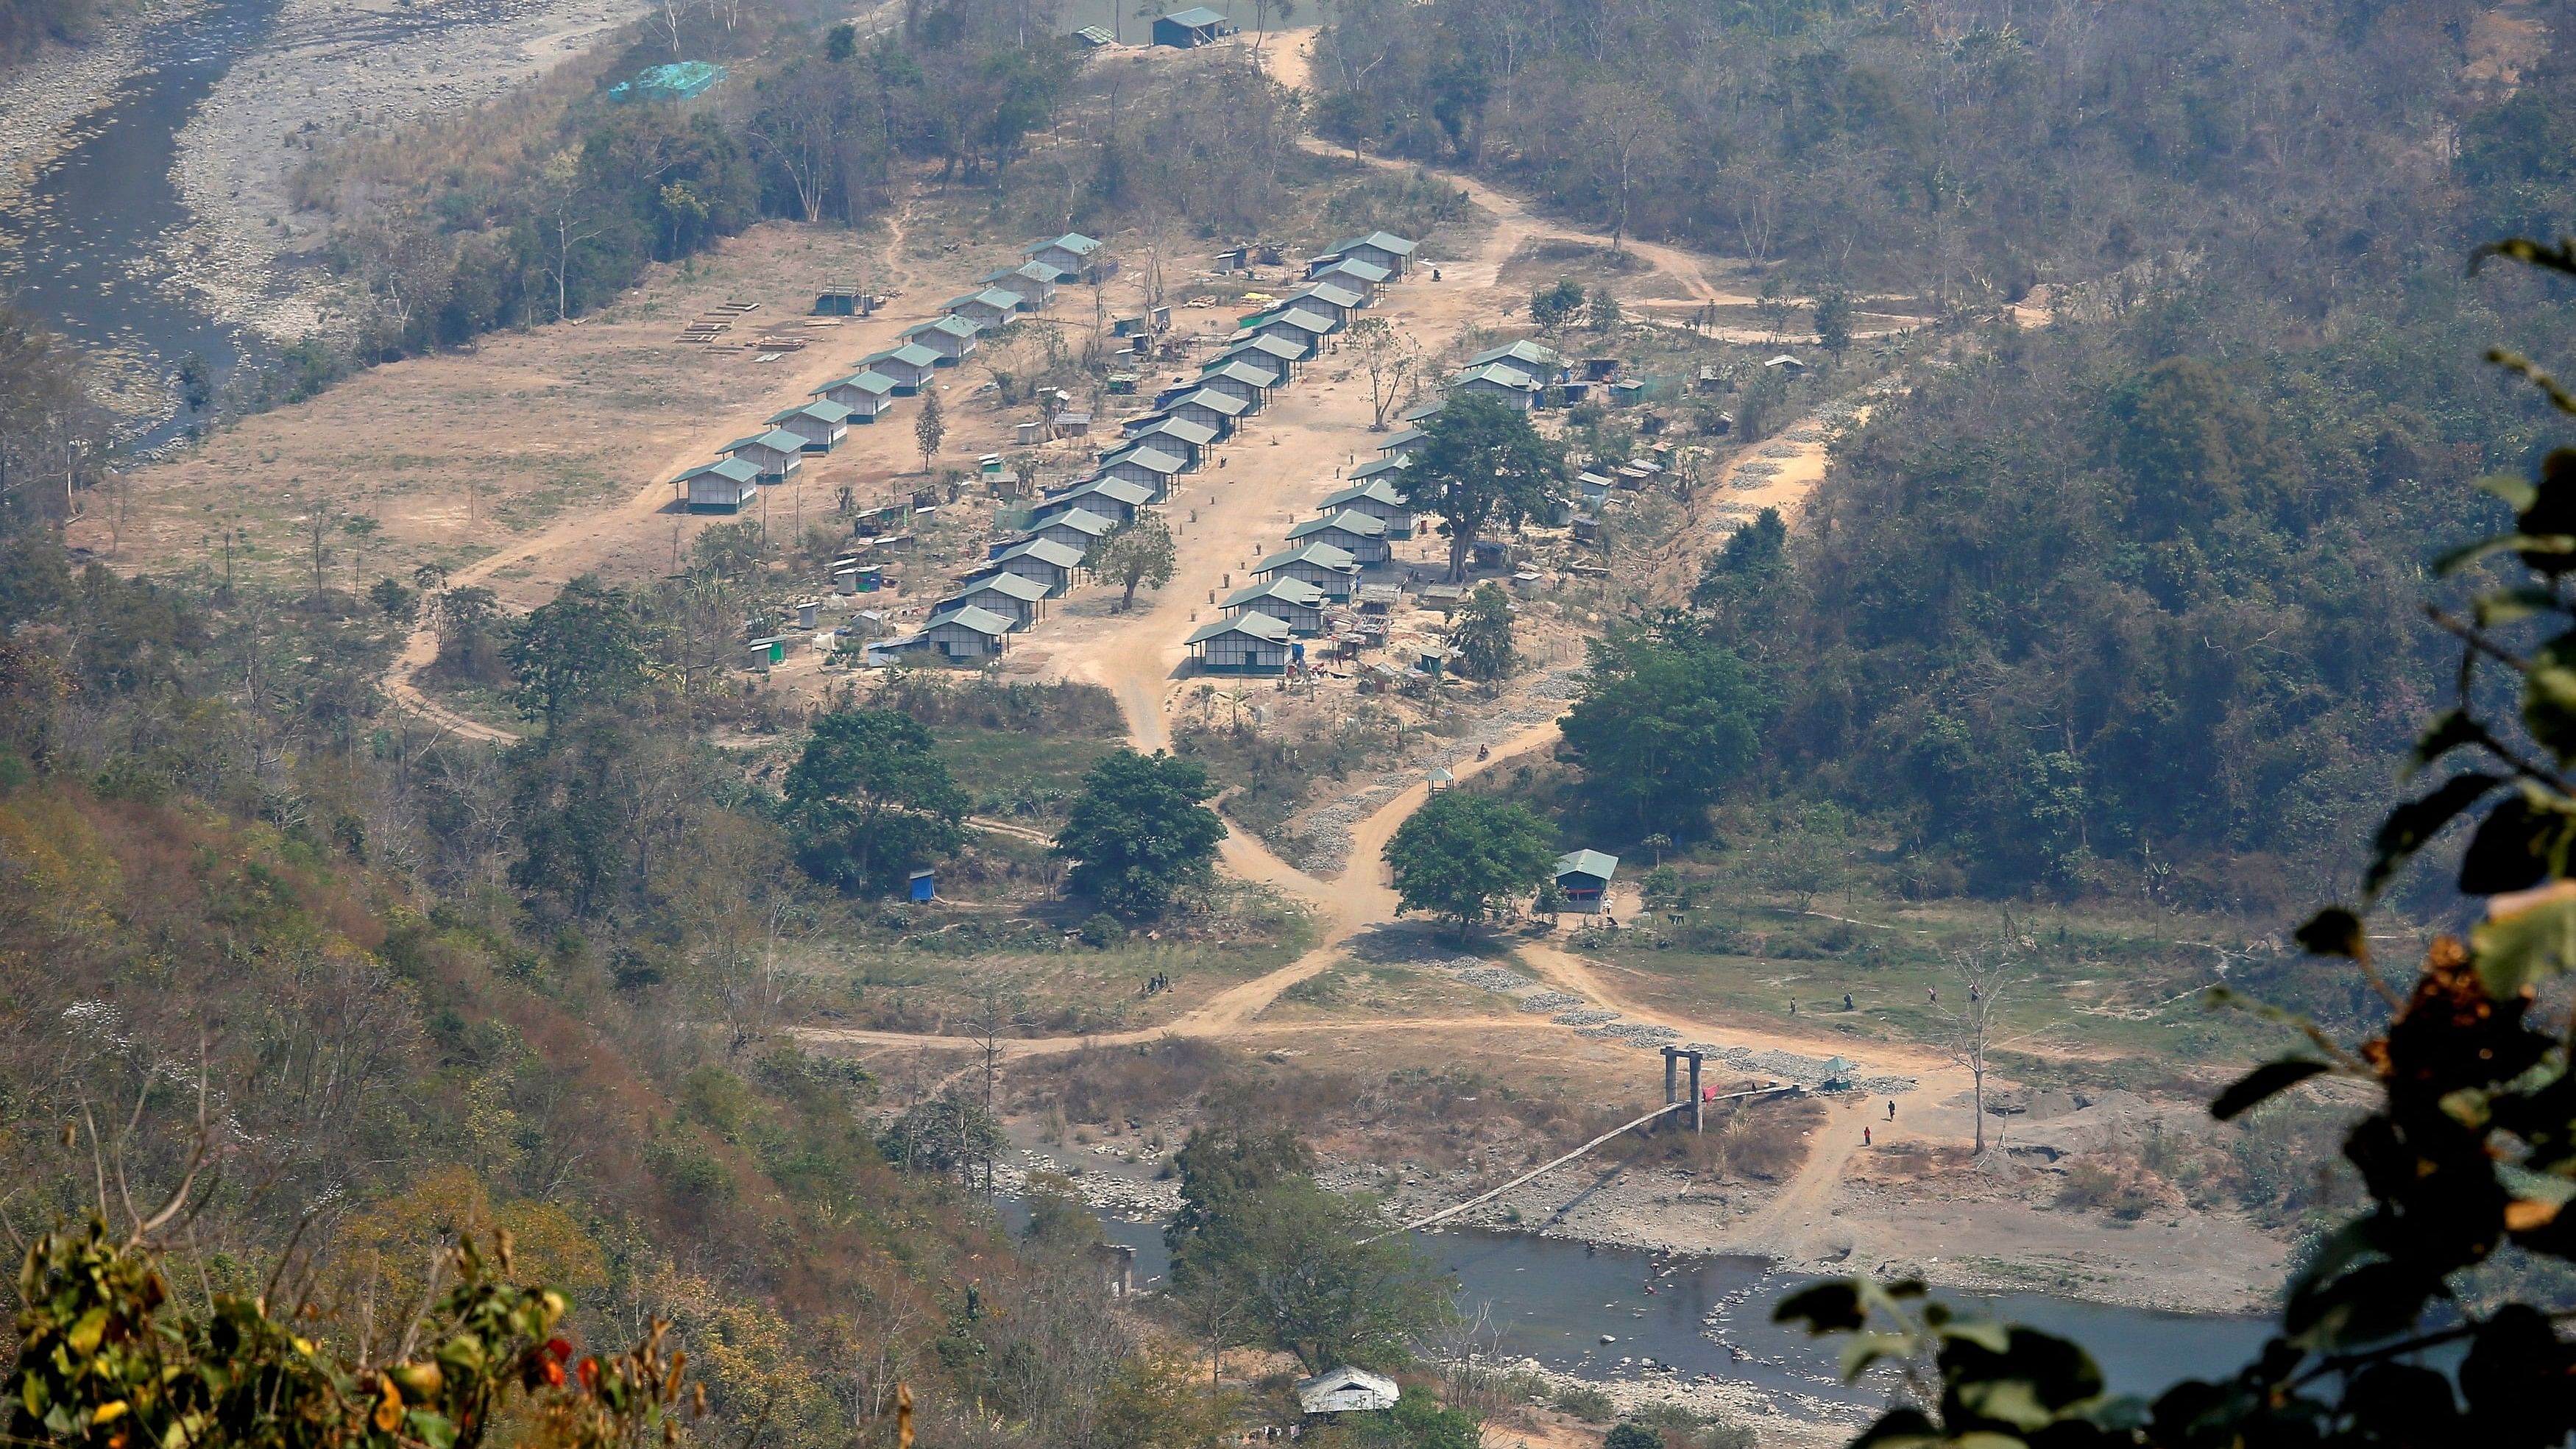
1624, 126
1987, 974
571, 227
1392, 360
800, 130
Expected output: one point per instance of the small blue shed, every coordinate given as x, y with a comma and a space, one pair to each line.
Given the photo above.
924, 886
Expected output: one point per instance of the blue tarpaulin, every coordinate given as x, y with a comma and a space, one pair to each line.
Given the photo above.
675, 82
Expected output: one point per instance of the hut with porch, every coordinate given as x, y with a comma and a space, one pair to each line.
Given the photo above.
1040, 559
1330, 569
1584, 877
865, 393
1147, 464
1189, 29
774, 453
1360, 535
723, 486
1379, 500
967, 633
1076, 528
1067, 255
1293, 602
1022, 600
910, 365
1249, 643
822, 423
951, 336
1378, 249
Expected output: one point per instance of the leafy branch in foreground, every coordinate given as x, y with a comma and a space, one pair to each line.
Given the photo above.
107, 1360
2471, 1151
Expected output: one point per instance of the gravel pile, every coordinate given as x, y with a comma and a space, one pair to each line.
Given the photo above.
1780, 450
1807, 434
1492, 978
1549, 1001
1588, 1016
1632, 1031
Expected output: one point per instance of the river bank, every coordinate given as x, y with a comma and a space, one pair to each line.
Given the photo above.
332, 70
44, 98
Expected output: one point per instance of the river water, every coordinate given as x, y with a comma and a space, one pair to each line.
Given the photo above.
84, 247
1553, 1299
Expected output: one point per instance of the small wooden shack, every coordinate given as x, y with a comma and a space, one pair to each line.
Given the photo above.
1192, 28
1584, 876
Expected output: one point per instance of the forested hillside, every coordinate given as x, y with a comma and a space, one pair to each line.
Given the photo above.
2091, 606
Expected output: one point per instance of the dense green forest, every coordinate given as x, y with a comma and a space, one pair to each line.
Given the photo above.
2091, 606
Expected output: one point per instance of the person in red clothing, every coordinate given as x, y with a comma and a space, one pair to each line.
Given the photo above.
1864, 1137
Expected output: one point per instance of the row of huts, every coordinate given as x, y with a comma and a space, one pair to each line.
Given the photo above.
777, 451
1293, 591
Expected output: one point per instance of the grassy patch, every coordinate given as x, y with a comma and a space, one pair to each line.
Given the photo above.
1019, 776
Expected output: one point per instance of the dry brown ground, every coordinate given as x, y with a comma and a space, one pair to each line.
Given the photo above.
573, 431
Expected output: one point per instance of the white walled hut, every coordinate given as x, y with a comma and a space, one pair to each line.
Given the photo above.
910, 365
1114, 498
950, 336
1271, 355
723, 486
1032, 282
1501, 381
968, 633
1216, 411
775, 453
1329, 300
1067, 255
1145, 464
1020, 599
1076, 528
822, 423
1357, 534
1293, 602
1328, 568
1538, 361
1378, 499
1245, 383
1249, 643
1041, 559
988, 308
865, 393
1346, 1390
1191, 441
1382, 249
1350, 272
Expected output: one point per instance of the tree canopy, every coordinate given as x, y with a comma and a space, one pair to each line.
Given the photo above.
1483, 466
870, 799
1668, 717
1460, 852
577, 650
1482, 634
1142, 553
1138, 832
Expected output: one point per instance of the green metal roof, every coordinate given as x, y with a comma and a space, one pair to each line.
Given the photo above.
982, 621
1044, 550
1322, 555
1346, 520
1259, 625
874, 383
1375, 490
1083, 520
1027, 591
1587, 862
1295, 591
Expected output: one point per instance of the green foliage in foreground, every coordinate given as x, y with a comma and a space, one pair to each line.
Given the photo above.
1139, 832
870, 799
2470, 1154
108, 1359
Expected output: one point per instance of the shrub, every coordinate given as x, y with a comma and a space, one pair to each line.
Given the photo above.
1585, 1402
1102, 930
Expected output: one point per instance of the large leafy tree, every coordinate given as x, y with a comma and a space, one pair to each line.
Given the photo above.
1138, 832
1667, 718
1459, 853
1264, 1255
576, 651
2467, 1156
1483, 634
1481, 467
870, 797
1140, 555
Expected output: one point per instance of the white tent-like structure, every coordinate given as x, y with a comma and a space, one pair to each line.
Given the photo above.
1345, 1390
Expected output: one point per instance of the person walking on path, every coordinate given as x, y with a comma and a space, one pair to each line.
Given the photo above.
1891, 1109
1864, 1137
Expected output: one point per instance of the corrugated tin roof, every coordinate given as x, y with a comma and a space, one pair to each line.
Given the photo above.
1375, 490
1257, 624
1082, 520
732, 470
1027, 591
1295, 591
1347, 521
1197, 16
1322, 555
1587, 862
982, 621
1044, 550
